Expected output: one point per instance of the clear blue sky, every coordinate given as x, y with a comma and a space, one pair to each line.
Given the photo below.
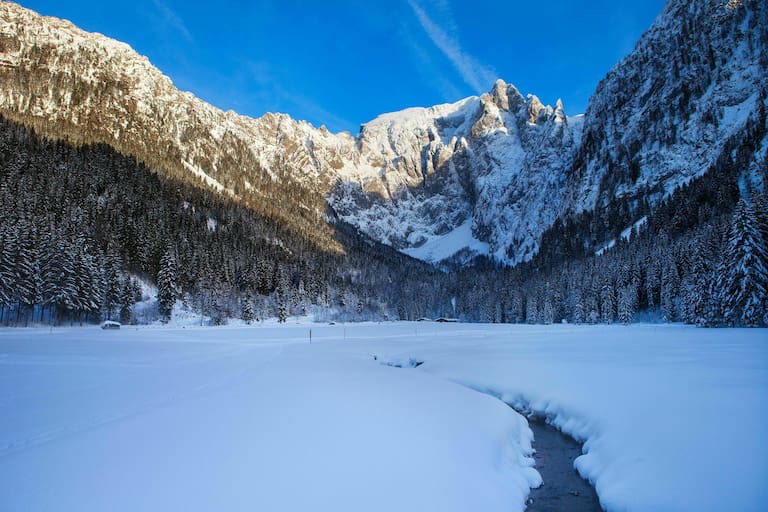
343, 62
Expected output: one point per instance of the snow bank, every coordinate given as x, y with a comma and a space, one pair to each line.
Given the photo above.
674, 417
243, 419
257, 418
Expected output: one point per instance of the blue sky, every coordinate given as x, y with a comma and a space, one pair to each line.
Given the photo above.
343, 62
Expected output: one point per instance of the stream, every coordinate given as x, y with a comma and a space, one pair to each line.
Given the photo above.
563, 488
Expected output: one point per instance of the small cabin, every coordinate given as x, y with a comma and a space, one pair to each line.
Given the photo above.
110, 325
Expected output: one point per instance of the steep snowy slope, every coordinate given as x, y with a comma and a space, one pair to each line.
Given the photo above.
497, 162
687, 95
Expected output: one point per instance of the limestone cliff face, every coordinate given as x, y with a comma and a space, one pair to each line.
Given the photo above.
486, 175
406, 179
86, 88
491, 168
694, 84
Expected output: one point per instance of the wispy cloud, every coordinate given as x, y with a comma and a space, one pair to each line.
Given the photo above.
274, 95
429, 71
174, 20
477, 75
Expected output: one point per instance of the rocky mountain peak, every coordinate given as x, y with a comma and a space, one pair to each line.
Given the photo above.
484, 175
536, 111
667, 111
506, 96
559, 112
408, 178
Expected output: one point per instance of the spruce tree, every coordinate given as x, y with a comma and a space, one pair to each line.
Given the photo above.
531, 310
17, 288
136, 290
698, 291
744, 278
218, 307
577, 307
670, 282
167, 289
548, 311
27, 276
607, 303
627, 303
58, 284
127, 295
247, 312
6, 274
760, 207
282, 307
111, 285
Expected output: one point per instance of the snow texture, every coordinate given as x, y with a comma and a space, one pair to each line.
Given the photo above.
257, 418
688, 92
443, 247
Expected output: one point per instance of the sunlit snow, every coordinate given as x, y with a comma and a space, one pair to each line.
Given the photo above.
259, 418
443, 247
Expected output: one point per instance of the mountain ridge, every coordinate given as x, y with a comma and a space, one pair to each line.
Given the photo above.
87, 88
663, 114
649, 206
487, 175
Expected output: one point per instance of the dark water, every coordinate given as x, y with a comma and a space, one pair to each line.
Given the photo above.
563, 489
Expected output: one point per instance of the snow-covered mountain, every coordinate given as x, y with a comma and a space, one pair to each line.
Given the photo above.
87, 88
473, 175
485, 175
475, 171
687, 96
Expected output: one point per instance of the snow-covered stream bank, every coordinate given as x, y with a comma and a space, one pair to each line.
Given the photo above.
563, 488
258, 419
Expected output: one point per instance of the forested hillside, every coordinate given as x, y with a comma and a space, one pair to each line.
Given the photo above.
116, 187
81, 225
79, 222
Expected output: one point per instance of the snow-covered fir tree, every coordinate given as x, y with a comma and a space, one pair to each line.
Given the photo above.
743, 281
127, 299
167, 287
247, 310
282, 307
627, 303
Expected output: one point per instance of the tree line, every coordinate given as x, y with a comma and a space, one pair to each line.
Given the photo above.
83, 226
84, 230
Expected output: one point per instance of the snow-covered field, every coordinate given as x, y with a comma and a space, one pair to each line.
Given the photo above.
257, 418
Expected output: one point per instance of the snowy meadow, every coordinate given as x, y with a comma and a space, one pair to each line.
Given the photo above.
392, 416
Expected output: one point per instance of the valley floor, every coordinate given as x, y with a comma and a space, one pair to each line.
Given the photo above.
257, 418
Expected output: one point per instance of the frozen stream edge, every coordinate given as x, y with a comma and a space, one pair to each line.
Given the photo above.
562, 488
